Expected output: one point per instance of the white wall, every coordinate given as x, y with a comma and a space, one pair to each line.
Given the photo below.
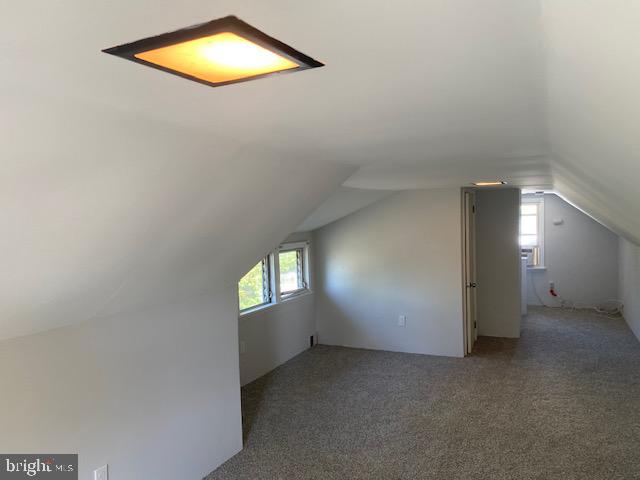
581, 257
630, 283
498, 262
153, 394
399, 256
274, 335
279, 332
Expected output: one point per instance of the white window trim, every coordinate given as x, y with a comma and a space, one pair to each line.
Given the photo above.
539, 200
276, 296
263, 309
272, 295
305, 270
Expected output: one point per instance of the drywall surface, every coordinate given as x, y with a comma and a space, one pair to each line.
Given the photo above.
592, 70
581, 258
399, 256
498, 262
340, 203
630, 283
274, 335
153, 394
126, 213
279, 332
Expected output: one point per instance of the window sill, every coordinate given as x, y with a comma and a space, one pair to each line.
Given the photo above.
259, 308
300, 293
268, 306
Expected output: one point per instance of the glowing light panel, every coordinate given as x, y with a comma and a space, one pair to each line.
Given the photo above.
489, 184
218, 58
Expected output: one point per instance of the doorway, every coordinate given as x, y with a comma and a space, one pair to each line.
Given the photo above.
469, 269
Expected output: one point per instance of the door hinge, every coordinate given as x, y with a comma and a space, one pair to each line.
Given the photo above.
473, 208
475, 324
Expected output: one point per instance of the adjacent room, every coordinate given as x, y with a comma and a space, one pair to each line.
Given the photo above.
296, 240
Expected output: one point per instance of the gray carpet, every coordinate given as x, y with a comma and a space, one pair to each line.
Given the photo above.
563, 402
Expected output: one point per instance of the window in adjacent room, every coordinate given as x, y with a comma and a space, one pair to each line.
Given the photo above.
292, 264
254, 289
532, 230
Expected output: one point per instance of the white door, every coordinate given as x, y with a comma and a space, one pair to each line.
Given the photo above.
469, 252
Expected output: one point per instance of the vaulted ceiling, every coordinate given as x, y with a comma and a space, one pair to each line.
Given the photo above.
122, 186
593, 107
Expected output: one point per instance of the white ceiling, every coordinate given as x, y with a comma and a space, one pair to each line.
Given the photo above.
340, 203
123, 186
593, 107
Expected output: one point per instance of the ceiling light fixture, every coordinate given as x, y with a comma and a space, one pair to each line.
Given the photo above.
489, 184
216, 53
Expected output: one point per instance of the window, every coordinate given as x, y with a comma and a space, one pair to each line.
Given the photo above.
532, 230
292, 271
286, 268
254, 289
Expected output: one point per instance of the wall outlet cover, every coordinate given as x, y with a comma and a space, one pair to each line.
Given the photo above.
402, 321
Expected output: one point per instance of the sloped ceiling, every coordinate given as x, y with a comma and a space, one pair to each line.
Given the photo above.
340, 203
593, 107
122, 186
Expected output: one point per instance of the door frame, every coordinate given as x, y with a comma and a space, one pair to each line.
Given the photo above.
469, 291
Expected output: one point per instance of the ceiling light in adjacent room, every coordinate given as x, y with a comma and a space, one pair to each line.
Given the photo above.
489, 184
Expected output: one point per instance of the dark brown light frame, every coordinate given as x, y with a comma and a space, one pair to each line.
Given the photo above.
226, 24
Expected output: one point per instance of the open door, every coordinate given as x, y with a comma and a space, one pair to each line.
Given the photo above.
469, 267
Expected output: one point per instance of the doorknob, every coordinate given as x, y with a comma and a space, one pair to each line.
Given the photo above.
472, 285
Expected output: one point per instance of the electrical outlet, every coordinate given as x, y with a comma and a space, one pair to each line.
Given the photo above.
552, 285
101, 473
402, 321
243, 347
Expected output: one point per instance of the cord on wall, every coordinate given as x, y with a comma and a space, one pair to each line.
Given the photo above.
608, 308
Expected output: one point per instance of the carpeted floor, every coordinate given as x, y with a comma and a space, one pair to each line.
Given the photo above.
563, 402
